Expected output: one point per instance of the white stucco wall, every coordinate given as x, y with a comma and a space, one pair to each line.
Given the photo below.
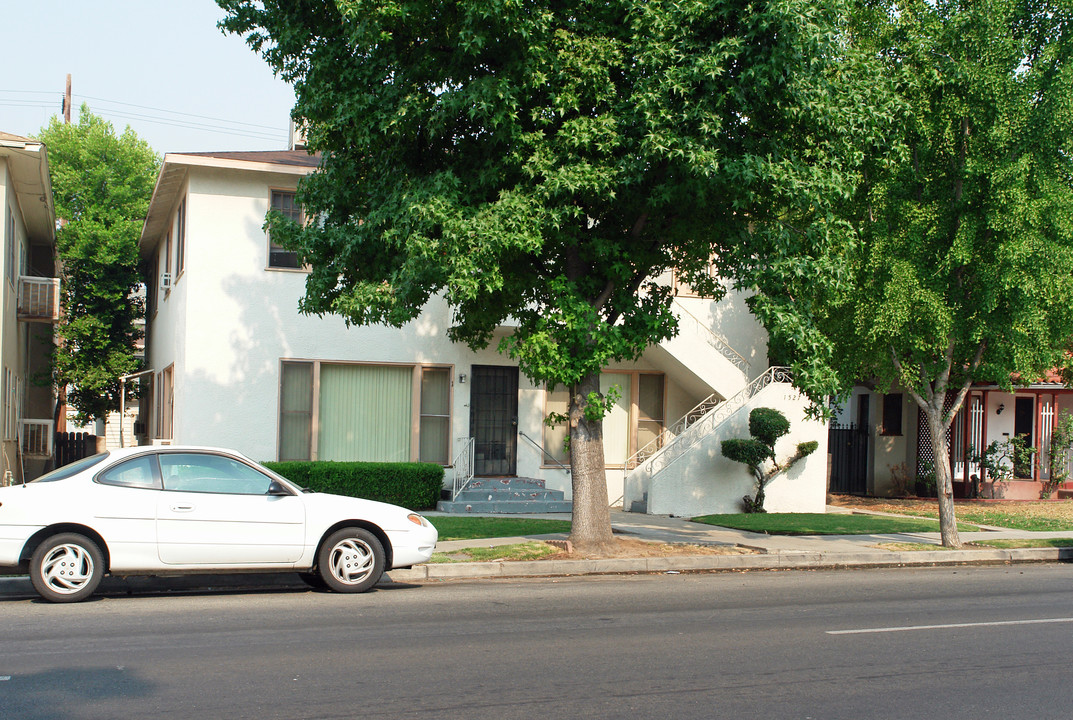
703, 482
228, 321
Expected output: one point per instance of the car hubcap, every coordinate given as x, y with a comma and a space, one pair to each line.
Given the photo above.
67, 568
351, 561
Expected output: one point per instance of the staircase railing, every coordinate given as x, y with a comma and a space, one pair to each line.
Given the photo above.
711, 420
463, 465
671, 432
714, 339
548, 455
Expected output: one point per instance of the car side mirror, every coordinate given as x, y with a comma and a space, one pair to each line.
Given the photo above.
275, 488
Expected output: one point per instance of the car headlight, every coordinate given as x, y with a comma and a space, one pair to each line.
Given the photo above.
418, 520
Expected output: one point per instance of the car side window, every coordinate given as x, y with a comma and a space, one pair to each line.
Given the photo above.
206, 473
137, 472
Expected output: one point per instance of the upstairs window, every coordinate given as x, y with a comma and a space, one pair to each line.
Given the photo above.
283, 201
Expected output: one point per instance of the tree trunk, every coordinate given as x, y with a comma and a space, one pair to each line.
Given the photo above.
944, 484
590, 530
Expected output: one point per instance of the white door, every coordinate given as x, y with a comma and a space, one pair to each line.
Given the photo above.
215, 510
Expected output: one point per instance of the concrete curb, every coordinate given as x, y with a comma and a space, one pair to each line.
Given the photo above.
782, 560
12, 586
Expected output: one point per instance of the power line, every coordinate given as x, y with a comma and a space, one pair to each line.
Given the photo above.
232, 127
191, 126
178, 112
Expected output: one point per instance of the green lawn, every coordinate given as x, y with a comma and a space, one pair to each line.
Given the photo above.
819, 523
461, 527
1013, 520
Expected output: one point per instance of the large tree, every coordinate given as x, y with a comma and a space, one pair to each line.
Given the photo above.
542, 163
102, 183
965, 269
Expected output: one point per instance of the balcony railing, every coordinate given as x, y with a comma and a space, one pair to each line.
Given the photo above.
39, 299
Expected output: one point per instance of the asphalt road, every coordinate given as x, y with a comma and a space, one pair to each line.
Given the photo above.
926, 643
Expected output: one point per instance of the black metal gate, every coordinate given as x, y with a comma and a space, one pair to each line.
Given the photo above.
848, 446
493, 419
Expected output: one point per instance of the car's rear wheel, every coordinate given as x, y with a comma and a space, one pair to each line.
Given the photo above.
351, 560
66, 568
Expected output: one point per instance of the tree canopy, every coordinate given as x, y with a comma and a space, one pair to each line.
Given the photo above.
542, 164
102, 183
965, 269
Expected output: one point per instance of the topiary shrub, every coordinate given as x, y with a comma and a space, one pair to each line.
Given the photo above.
411, 485
766, 425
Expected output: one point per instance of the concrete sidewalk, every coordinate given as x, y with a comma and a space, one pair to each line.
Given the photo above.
765, 552
768, 551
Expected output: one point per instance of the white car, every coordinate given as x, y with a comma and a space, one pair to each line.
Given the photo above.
174, 510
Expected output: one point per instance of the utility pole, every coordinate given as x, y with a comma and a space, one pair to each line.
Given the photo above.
67, 102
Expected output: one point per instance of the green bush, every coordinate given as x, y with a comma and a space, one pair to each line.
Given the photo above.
411, 485
768, 425
750, 451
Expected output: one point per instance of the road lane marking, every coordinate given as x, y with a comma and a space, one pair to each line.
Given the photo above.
947, 626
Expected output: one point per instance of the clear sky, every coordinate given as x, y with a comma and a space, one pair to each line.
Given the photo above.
160, 66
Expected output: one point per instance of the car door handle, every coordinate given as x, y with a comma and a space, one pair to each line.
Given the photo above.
182, 508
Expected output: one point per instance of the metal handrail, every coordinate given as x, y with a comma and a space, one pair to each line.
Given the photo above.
716, 340
555, 460
670, 433
667, 454
463, 465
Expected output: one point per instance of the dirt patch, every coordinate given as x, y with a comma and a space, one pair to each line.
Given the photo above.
929, 507
632, 548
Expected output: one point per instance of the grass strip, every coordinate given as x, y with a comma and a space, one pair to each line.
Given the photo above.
1024, 543
818, 523
462, 527
532, 550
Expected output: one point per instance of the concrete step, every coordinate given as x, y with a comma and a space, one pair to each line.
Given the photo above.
505, 482
499, 495
505, 506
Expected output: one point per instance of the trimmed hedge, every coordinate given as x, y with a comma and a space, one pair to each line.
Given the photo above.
412, 485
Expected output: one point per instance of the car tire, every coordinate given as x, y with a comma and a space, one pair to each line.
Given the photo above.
66, 568
351, 560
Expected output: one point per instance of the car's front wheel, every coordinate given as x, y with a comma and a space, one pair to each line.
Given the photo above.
66, 568
351, 560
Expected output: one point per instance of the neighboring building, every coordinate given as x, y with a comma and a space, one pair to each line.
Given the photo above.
234, 364
895, 449
29, 304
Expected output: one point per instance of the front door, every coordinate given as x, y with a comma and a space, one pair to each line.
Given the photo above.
493, 419
1024, 424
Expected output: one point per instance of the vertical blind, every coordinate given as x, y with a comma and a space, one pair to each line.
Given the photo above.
364, 413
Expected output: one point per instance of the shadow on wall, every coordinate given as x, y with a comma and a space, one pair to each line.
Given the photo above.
732, 319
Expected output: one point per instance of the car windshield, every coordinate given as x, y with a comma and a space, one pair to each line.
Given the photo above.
72, 468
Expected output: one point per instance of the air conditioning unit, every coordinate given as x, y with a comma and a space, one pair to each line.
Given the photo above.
165, 281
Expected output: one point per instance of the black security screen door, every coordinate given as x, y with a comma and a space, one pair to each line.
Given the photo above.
493, 419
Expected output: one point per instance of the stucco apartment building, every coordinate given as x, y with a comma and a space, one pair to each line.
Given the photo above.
29, 304
234, 364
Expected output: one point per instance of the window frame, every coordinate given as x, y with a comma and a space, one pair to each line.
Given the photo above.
892, 402
417, 371
273, 192
635, 417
